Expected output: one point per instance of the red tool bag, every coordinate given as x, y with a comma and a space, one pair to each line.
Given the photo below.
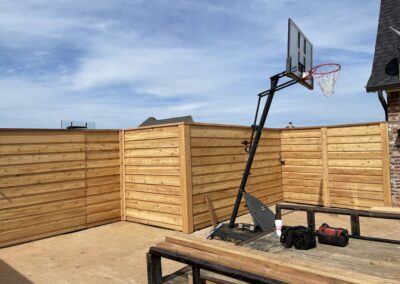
332, 236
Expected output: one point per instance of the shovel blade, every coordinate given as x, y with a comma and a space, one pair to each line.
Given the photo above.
262, 215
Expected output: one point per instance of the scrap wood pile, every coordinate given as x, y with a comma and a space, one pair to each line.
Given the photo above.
268, 265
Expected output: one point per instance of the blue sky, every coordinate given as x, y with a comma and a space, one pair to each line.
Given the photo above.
118, 62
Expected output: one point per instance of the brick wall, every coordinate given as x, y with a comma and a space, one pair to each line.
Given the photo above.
394, 145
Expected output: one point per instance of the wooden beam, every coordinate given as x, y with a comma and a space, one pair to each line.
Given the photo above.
210, 206
325, 171
186, 178
122, 173
387, 193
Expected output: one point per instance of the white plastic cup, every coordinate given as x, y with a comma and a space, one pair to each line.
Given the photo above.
278, 227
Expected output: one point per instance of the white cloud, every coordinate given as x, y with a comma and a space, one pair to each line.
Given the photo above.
117, 62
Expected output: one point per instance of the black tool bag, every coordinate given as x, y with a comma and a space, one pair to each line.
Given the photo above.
300, 237
332, 236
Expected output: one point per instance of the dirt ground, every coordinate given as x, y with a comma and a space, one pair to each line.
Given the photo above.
115, 253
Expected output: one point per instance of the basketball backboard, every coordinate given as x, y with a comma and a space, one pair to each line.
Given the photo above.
299, 56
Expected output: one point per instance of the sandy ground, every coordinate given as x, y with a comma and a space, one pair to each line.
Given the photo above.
115, 253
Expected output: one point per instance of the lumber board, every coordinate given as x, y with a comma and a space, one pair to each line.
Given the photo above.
40, 158
154, 206
354, 130
151, 144
186, 179
153, 170
18, 149
30, 137
267, 264
42, 198
153, 152
226, 184
395, 210
16, 212
152, 133
150, 188
154, 197
51, 181
154, 223
156, 161
361, 147
27, 169
154, 216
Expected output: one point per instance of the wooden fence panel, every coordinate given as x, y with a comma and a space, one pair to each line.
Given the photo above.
338, 166
153, 176
302, 172
218, 159
103, 202
355, 166
42, 184
54, 181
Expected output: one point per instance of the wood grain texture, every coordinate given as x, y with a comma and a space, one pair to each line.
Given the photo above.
218, 159
155, 179
352, 171
186, 178
56, 181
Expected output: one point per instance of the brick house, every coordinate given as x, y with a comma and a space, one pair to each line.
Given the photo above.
385, 79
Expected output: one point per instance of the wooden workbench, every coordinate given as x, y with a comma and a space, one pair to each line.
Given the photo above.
360, 262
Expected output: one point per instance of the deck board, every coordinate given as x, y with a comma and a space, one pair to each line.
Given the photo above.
366, 257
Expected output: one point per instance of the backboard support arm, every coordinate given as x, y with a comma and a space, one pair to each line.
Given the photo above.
253, 147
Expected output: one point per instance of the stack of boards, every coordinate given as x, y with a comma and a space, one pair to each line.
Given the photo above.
287, 268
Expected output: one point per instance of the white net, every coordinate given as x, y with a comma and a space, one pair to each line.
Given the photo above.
326, 75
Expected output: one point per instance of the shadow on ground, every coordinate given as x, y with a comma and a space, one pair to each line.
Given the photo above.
10, 275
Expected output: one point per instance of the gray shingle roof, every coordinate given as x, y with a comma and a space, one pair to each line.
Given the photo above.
153, 121
385, 69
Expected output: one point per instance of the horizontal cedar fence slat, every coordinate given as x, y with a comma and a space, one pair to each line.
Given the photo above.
152, 178
218, 159
57, 181
340, 166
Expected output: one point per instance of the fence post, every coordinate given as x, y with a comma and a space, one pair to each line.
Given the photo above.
325, 172
186, 178
122, 173
387, 194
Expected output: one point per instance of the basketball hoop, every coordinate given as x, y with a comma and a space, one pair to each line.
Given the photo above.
326, 75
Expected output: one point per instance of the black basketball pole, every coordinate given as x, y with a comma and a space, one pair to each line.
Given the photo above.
253, 147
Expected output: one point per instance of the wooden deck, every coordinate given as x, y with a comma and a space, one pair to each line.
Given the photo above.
360, 262
365, 257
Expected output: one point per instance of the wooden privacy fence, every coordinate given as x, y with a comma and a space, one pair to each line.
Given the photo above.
170, 169
56, 181
338, 166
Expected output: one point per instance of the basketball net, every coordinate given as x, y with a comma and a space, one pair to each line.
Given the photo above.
326, 75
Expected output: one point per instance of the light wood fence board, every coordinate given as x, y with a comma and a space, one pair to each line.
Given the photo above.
153, 178
218, 161
102, 177
352, 175
56, 181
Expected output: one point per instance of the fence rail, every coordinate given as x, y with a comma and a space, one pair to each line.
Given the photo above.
55, 181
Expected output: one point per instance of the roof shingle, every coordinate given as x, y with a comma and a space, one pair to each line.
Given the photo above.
385, 69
